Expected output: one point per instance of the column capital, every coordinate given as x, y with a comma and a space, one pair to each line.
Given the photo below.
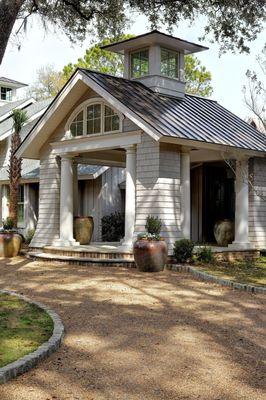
66, 157
130, 149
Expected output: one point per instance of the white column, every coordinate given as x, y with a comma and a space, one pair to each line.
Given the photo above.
185, 195
241, 206
66, 203
75, 190
130, 196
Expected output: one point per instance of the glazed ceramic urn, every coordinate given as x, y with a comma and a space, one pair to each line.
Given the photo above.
224, 232
83, 229
10, 244
150, 255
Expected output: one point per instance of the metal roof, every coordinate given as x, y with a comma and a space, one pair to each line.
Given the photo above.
6, 108
194, 118
12, 81
154, 37
31, 109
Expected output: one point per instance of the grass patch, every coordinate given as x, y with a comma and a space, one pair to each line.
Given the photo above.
253, 273
23, 328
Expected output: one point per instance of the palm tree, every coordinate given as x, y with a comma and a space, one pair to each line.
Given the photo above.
14, 172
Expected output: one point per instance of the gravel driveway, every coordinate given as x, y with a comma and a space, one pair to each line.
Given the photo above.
131, 335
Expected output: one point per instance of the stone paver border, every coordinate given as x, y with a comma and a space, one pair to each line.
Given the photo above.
211, 278
29, 361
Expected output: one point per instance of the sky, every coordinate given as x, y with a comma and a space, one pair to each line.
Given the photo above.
39, 48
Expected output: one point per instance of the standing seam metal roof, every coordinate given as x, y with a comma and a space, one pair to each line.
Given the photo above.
194, 118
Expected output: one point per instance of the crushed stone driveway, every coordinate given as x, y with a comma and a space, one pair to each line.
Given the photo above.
131, 335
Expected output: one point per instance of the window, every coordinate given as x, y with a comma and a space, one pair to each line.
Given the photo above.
139, 63
76, 126
21, 205
6, 93
94, 119
111, 120
169, 63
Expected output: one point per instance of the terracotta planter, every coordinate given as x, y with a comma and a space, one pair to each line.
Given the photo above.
83, 229
10, 244
150, 255
224, 232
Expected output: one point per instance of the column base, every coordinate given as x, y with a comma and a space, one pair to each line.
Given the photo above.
241, 246
126, 247
65, 243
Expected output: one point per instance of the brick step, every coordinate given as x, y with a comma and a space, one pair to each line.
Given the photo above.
72, 252
77, 260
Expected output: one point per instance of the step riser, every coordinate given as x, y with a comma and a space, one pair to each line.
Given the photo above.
87, 254
84, 262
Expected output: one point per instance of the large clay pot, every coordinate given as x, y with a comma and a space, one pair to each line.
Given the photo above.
224, 232
150, 255
10, 244
83, 229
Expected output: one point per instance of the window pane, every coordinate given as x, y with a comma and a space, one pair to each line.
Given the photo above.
97, 125
115, 123
21, 213
108, 124
108, 111
97, 110
79, 129
140, 63
79, 117
90, 126
90, 112
169, 63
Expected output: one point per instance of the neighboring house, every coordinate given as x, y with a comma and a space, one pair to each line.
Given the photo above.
95, 182
173, 146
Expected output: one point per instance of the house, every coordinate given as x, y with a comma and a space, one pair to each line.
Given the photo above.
188, 160
96, 182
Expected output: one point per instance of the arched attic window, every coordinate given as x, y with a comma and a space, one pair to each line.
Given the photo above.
94, 117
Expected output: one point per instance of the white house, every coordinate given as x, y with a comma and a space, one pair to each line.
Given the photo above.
173, 146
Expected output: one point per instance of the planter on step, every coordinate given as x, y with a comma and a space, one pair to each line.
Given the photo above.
83, 229
150, 255
10, 244
224, 232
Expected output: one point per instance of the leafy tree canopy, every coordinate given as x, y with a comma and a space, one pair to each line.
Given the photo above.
48, 83
231, 23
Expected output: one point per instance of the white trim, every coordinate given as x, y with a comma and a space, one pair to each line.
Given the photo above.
9, 113
121, 107
85, 144
40, 124
224, 149
83, 107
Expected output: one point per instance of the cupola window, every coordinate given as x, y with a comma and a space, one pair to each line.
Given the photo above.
169, 63
139, 62
94, 118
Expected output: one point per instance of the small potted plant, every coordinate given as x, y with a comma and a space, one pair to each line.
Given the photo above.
150, 249
10, 240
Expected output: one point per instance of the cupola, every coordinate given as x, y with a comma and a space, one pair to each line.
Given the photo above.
157, 60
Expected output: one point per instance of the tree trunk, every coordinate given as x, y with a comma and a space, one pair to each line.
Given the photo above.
9, 10
14, 177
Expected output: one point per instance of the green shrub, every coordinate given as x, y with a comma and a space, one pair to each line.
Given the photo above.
205, 255
153, 225
29, 236
113, 227
8, 223
183, 250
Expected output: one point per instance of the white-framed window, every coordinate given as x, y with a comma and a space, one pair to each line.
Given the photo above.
93, 117
21, 213
6, 93
169, 63
139, 63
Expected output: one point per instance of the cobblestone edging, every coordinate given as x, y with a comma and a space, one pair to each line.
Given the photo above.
211, 278
27, 362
